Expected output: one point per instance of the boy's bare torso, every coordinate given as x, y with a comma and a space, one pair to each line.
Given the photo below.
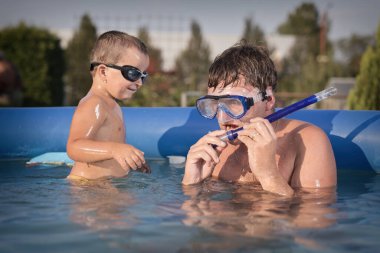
112, 129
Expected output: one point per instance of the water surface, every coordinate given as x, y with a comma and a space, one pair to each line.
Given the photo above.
41, 211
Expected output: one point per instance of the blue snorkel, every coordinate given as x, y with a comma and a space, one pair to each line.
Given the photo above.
233, 134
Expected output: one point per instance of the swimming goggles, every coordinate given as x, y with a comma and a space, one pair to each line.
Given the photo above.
129, 72
234, 106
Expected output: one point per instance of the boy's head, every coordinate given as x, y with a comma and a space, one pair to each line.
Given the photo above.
118, 64
110, 46
242, 59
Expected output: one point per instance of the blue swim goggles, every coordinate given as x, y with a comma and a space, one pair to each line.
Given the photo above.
234, 106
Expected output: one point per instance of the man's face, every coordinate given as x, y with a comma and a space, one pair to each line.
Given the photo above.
239, 88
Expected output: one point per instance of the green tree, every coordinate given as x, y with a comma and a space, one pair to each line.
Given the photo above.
351, 50
78, 77
155, 55
303, 21
309, 64
253, 34
38, 56
193, 63
366, 93
156, 91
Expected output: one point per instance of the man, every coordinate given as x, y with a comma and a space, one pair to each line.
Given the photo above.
281, 156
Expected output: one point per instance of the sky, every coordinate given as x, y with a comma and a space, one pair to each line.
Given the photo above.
221, 21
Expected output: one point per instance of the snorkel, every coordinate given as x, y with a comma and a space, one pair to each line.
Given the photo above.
233, 134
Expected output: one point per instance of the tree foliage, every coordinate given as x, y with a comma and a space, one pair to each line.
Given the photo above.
37, 54
157, 90
309, 64
193, 63
302, 22
253, 34
155, 55
78, 78
366, 93
351, 50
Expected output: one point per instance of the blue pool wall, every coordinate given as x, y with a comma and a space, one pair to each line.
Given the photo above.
163, 131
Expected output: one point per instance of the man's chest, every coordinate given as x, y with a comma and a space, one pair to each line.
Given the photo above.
234, 165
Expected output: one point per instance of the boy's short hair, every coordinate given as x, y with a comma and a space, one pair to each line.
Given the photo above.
110, 45
252, 62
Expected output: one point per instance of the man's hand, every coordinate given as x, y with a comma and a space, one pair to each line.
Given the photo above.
202, 157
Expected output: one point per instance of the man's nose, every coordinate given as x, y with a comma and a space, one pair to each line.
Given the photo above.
222, 116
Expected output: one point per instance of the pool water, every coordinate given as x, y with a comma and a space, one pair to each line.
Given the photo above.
40, 211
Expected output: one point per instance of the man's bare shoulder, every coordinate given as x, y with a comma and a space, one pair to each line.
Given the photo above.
306, 134
315, 163
292, 126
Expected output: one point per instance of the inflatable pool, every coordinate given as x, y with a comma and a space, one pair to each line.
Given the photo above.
159, 132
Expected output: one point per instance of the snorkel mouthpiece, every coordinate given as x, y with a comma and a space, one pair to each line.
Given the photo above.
233, 134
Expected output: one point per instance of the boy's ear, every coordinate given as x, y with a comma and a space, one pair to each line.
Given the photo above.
102, 71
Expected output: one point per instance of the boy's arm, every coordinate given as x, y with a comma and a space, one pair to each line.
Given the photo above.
315, 165
82, 145
89, 116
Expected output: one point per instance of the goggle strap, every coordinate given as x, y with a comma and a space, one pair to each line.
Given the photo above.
250, 102
93, 65
264, 96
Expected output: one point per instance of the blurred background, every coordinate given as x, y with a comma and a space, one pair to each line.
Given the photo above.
45, 47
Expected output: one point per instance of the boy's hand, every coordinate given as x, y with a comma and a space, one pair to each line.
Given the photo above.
129, 157
202, 157
145, 169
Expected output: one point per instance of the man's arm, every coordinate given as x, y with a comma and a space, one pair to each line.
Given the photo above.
261, 141
315, 165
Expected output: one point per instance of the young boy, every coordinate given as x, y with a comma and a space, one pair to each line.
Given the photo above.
280, 156
97, 135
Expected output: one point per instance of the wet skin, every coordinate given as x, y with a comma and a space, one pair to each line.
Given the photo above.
97, 139
281, 156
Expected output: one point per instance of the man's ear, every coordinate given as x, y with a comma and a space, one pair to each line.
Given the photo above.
271, 100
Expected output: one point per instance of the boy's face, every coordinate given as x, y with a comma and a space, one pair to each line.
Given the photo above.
241, 89
118, 86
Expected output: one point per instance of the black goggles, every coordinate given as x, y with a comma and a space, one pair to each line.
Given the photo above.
129, 72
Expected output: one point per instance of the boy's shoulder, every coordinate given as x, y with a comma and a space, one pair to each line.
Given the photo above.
92, 103
91, 100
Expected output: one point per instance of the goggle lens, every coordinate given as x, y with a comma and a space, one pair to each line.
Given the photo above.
207, 107
233, 106
129, 72
132, 74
